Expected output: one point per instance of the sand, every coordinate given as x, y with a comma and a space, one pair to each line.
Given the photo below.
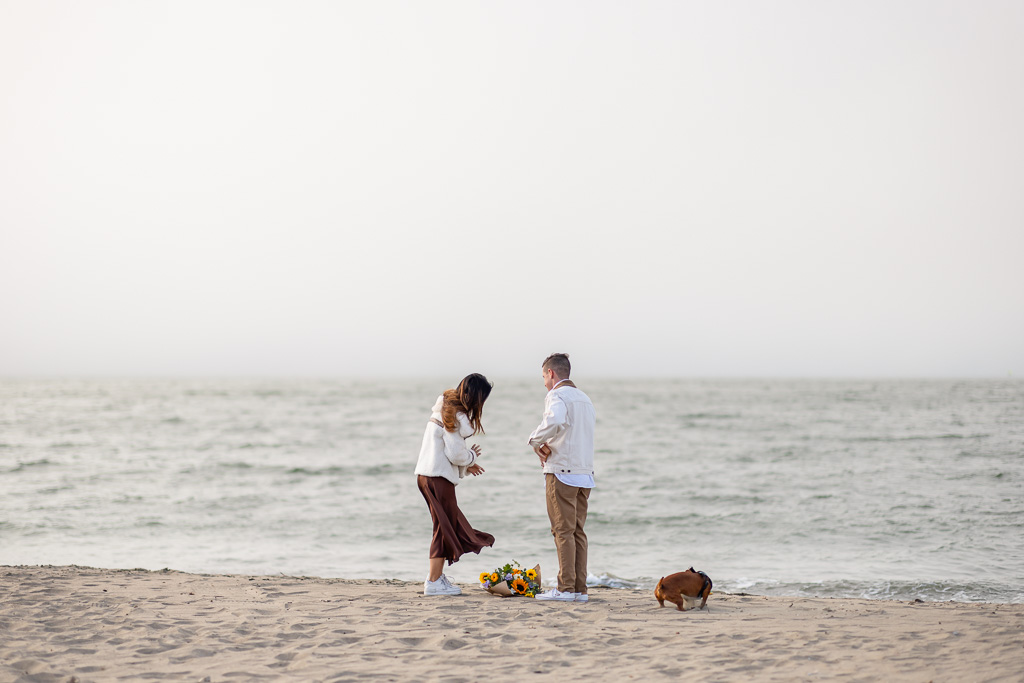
82, 624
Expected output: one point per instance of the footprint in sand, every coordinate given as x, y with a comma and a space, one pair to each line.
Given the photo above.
411, 642
351, 640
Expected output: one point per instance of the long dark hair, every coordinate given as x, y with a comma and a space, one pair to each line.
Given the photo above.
466, 398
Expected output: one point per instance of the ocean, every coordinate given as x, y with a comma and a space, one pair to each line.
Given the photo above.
894, 489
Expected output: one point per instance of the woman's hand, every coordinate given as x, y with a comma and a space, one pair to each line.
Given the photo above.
475, 469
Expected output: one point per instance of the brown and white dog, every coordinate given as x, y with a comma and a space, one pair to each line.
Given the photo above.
684, 589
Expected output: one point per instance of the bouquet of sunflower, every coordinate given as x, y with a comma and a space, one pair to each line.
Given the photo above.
511, 579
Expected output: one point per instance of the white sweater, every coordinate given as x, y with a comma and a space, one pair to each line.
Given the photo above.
443, 453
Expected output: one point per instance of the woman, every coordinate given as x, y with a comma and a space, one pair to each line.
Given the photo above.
444, 459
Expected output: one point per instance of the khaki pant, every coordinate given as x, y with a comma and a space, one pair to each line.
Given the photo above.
567, 510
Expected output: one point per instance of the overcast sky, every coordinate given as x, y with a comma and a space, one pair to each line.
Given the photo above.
432, 188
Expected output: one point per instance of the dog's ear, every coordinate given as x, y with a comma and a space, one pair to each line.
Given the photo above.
689, 570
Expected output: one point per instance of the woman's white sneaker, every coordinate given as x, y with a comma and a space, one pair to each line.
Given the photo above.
555, 594
440, 587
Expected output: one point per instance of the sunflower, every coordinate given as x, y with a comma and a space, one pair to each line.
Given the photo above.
494, 578
519, 586
531, 574
485, 577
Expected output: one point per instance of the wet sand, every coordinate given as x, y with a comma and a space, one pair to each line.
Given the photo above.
83, 624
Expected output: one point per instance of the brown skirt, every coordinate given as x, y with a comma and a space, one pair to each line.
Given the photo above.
453, 536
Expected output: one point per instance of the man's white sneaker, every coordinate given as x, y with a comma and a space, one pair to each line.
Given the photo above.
440, 587
555, 594
581, 597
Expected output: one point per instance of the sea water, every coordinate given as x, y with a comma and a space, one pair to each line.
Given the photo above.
880, 489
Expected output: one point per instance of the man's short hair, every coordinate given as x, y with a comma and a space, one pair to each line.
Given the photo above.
559, 362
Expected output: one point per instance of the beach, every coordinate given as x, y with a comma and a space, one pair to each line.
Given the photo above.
70, 623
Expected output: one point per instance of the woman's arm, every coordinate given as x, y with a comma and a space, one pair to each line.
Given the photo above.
455, 448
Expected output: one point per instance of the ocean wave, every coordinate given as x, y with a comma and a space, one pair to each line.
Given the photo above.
919, 437
385, 469
318, 471
22, 466
907, 591
611, 581
710, 416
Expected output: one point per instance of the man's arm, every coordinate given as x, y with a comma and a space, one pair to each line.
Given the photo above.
553, 422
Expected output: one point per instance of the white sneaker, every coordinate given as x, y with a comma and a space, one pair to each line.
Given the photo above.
581, 597
555, 594
440, 587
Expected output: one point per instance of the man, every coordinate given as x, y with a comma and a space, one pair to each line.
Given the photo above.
564, 442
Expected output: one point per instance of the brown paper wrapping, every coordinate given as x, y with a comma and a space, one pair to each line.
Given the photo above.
501, 588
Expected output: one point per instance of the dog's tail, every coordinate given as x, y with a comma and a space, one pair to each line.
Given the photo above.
705, 589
